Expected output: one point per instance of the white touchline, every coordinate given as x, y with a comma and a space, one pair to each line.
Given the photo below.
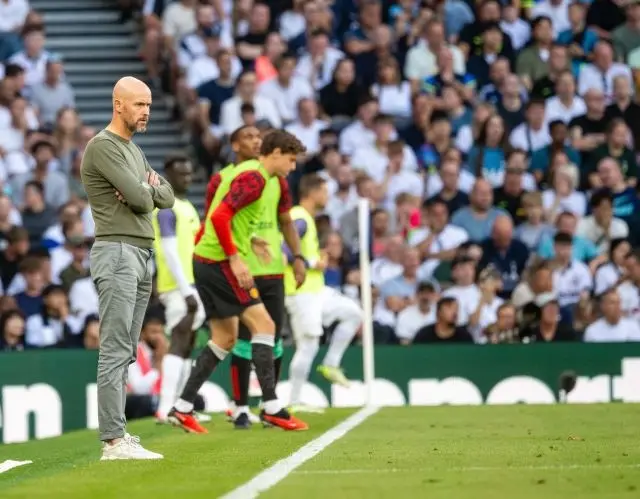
279, 471
462, 469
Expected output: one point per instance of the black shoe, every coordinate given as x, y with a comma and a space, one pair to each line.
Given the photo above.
242, 422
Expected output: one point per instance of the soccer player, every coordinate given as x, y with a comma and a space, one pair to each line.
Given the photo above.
268, 276
175, 230
225, 284
314, 305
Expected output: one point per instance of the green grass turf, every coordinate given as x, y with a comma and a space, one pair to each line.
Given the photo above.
514, 452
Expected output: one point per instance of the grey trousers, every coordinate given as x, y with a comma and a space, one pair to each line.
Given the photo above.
122, 276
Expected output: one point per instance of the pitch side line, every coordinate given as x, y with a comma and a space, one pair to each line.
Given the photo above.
279, 471
462, 469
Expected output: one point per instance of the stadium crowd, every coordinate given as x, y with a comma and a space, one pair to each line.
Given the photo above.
496, 142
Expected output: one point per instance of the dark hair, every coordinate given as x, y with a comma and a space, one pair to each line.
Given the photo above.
556, 123
13, 70
6, 317
309, 183
482, 142
40, 144
534, 102
613, 245
438, 116
562, 238
247, 108
175, 158
68, 225
286, 142
37, 28
287, 56
17, 234
614, 123
30, 264
36, 185
539, 20
443, 302
382, 118
319, 32
599, 197
425, 287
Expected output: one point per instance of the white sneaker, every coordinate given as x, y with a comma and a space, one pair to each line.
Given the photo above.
127, 448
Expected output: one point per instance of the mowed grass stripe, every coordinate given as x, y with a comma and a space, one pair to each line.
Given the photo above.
204, 465
478, 452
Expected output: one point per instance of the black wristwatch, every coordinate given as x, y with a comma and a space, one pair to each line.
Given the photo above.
304, 260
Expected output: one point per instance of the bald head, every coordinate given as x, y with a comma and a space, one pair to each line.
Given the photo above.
131, 105
502, 232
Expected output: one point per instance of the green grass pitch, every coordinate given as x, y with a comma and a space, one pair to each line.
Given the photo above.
514, 452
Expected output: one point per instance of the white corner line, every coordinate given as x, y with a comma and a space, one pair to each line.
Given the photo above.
283, 468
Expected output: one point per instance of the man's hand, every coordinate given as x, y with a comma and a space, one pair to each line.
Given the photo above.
241, 272
261, 248
120, 197
192, 304
152, 179
299, 271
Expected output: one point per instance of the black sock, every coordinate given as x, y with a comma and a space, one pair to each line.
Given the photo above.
205, 365
240, 375
263, 361
277, 366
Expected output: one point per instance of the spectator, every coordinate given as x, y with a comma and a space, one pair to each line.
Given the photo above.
286, 90
379, 231
615, 147
572, 278
91, 333
469, 134
579, 38
563, 195
318, 63
505, 329
534, 228
628, 284
361, 132
464, 83
518, 30
438, 241
9, 217
359, 41
66, 131
398, 180
494, 45
477, 219
420, 314
33, 59
532, 63
421, 59
17, 246
342, 271
612, 273
556, 10
396, 293
624, 107
509, 196
393, 94
390, 264
533, 134
537, 284
601, 227
13, 14
545, 86
30, 300
342, 98
83, 298
448, 190
588, 131
194, 45
511, 107
612, 327
471, 36
348, 224
541, 159
53, 325
14, 125
53, 94
626, 38
12, 326
605, 16
565, 105
205, 68
292, 21
307, 126
274, 48
54, 183
178, 20
231, 113
444, 330
507, 255
37, 217
548, 328
437, 141
599, 75
493, 92
459, 114
583, 249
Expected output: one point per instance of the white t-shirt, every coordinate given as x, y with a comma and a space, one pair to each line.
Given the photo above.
13, 14
519, 31
465, 183
559, 14
394, 100
603, 332
591, 77
205, 69
570, 282
374, 162
319, 76
576, 202
421, 62
525, 138
231, 117
630, 300
606, 276
404, 181
450, 238
354, 136
411, 320
308, 135
556, 110
468, 298
383, 270
286, 98
178, 21
589, 229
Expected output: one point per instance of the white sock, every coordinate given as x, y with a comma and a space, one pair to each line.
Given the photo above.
272, 406
186, 372
169, 388
240, 409
340, 341
183, 406
306, 350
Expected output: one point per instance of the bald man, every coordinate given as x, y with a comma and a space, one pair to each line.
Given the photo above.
123, 191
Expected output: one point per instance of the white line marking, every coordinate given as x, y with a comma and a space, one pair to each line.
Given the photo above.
280, 470
462, 469
9, 465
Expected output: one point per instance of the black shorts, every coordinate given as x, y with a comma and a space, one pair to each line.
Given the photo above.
220, 292
271, 291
